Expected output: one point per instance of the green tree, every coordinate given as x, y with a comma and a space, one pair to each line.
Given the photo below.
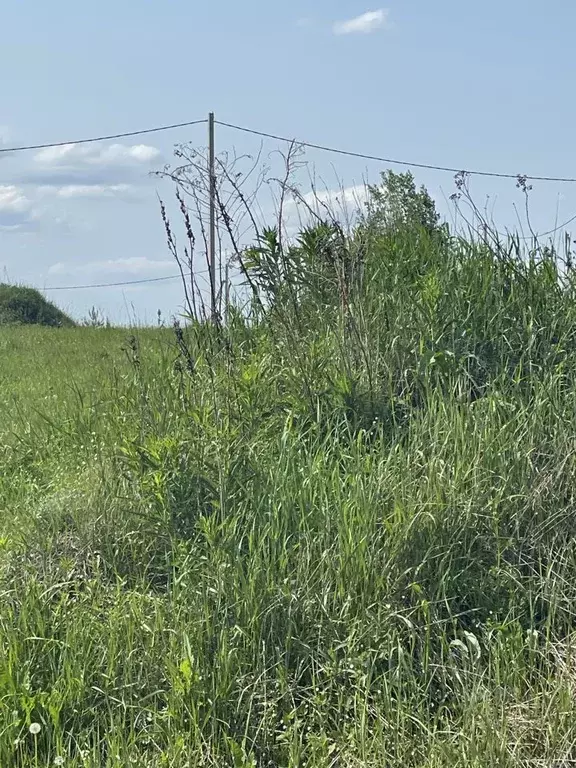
395, 203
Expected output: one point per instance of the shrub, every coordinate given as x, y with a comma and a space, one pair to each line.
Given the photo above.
20, 305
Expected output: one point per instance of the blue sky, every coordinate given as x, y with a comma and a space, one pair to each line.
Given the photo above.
473, 85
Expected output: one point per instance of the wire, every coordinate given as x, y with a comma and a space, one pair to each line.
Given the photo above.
102, 138
323, 148
395, 162
125, 282
535, 235
545, 234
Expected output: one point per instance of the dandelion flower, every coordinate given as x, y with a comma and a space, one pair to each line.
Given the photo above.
35, 728
58, 761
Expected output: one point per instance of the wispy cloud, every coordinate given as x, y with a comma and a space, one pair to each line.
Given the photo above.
73, 191
15, 210
345, 197
39, 196
90, 155
13, 200
137, 265
363, 24
29, 209
342, 203
341, 199
86, 170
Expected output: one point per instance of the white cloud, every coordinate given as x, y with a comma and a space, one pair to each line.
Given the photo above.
342, 204
13, 200
336, 200
92, 190
109, 169
363, 24
71, 191
55, 155
15, 210
21, 212
92, 155
137, 265
31, 208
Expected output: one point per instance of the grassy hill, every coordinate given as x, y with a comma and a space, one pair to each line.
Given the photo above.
339, 532
20, 305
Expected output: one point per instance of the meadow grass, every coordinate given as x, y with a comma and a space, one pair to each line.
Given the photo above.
335, 536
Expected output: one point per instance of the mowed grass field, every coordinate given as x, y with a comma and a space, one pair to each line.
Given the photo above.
330, 538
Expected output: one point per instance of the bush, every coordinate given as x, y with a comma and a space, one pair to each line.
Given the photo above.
20, 305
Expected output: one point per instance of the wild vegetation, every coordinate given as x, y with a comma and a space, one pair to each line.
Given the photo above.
20, 305
336, 530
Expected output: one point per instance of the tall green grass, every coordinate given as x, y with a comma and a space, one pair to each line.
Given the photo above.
337, 533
